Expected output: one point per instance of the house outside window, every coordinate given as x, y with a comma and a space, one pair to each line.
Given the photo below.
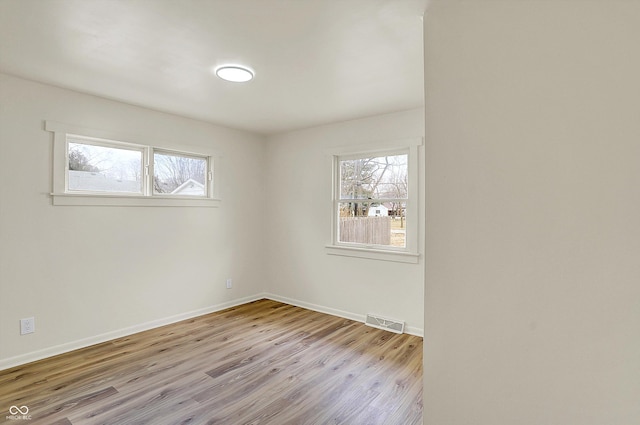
95, 168
104, 167
374, 208
370, 185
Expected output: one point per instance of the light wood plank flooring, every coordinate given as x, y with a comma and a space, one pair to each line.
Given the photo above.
260, 363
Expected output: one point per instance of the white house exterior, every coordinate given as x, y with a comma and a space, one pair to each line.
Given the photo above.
189, 188
378, 211
101, 182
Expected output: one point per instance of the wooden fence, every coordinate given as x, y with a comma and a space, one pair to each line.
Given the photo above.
367, 230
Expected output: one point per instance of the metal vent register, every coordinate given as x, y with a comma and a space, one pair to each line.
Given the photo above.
392, 325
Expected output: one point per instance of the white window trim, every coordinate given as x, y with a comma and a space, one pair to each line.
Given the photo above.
410, 253
61, 196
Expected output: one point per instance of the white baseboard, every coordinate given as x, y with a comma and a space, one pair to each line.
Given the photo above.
411, 330
108, 336
315, 307
97, 339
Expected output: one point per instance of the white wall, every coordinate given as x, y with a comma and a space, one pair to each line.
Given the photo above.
89, 274
299, 223
532, 299
92, 272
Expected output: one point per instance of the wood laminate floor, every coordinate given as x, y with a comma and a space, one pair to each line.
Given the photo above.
260, 363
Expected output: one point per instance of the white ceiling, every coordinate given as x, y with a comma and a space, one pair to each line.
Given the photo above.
316, 61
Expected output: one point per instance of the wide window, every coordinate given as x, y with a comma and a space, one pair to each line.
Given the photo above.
90, 170
375, 206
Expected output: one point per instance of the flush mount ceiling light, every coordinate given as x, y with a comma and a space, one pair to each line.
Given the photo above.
234, 73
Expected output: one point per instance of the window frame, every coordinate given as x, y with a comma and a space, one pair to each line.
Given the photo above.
105, 143
63, 134
407, 254
208, 181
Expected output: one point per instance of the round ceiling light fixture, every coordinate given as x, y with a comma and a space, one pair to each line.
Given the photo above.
234, 73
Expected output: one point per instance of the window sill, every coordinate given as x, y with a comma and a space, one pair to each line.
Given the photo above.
131, 200
373, 254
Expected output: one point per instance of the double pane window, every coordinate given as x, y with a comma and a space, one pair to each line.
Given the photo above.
99, 166
372, 200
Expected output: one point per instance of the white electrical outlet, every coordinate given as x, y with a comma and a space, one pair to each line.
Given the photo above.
229, 283
27, 326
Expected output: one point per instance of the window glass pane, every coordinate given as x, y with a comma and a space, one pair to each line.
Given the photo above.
104, 169
180, 175
381, 177
372, 223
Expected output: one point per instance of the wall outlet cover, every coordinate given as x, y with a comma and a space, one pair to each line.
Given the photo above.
27, 326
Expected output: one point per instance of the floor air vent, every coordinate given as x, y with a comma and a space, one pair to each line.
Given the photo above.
396, 326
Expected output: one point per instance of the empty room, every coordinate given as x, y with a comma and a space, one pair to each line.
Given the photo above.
177, 252
355, 212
